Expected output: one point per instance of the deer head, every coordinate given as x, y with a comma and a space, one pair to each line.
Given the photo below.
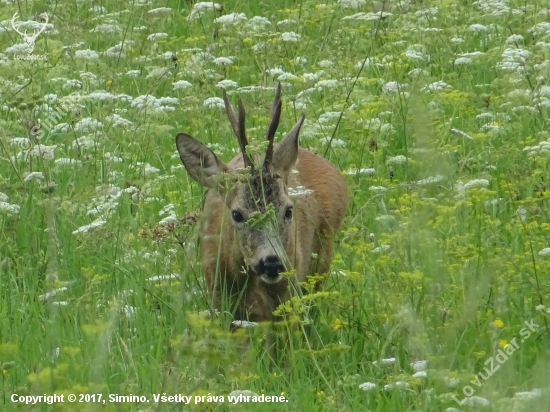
263, 247
28, 39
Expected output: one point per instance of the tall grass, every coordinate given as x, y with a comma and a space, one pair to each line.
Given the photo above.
441, 110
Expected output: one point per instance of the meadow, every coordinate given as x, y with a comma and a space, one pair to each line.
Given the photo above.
436, 112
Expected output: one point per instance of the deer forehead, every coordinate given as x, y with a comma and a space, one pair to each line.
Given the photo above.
260, 191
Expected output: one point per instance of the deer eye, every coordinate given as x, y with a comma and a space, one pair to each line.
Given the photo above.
288, 212
237, 216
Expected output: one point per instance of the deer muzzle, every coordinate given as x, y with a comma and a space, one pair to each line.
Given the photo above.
269, 268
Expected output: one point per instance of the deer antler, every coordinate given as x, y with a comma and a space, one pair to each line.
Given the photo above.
238, 127
275, 110
13, 19
26, 37
35, 35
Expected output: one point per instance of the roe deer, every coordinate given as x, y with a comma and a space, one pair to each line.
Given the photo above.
242, 261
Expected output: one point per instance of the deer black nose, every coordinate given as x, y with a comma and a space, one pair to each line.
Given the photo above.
270, 266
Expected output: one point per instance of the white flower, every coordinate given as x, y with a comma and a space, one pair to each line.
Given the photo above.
493, 7
163, 277
200, 8
420, 374
86, 228
388, 361
462, 60
52, 293
417, 52
181, 84
224, 84
133, 73
476, 28
370, 16
476, 401
351, 4
397, 385
541, 308
521, 213
436, 86
326, 83
392, 87
244, 324
540, 28
364, 171
514, 59
286, 76
160, 10
18, 48
232, 18
419, 365
32, 176
106, 28
63, 161
290, 36
514, 38
100, 95
476, 183
367, 386
528, 396
431, 179
161, 104
258, 22
396, 159
545, 251
87, 125
380, 249
299, 191
156, 36
328, 117
334, 142
325, 63
72, 84
277, 71
451, 382
223, 61
150, 170
86, 54
116, 120
212, 102
209, 314
40, 150
9, 208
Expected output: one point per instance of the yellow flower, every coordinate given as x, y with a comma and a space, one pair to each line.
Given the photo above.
499, 323
109, 82
338, 324
503, 343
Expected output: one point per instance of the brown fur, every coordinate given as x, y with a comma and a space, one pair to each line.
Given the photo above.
243, 259
317, 217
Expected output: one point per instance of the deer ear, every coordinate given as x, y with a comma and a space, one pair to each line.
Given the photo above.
286, 152
200, 162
